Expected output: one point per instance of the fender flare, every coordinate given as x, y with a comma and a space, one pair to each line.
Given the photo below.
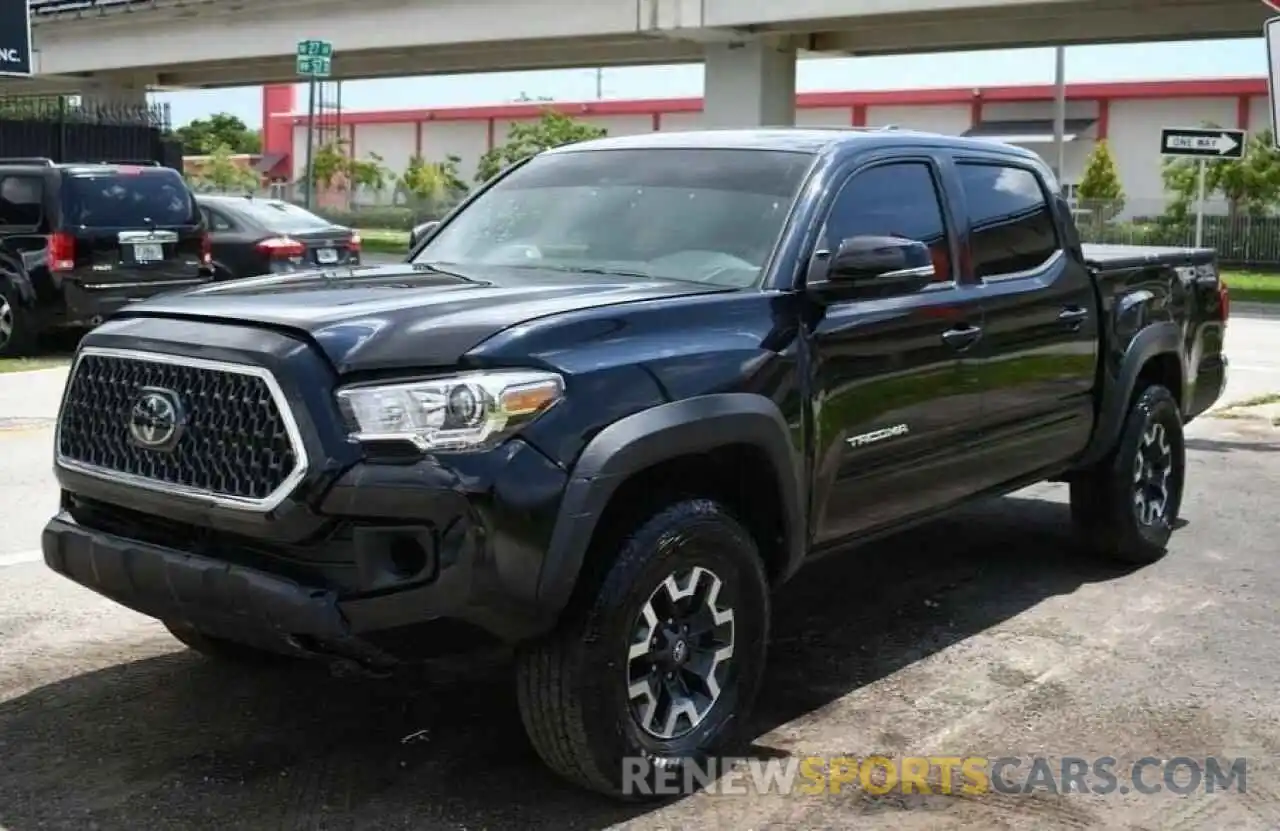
678, 428
1156, 339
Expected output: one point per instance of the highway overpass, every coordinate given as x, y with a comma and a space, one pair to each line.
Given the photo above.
116, 49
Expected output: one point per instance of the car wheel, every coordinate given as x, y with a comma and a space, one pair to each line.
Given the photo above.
17, 329
221, 649
657, 667
1127, 506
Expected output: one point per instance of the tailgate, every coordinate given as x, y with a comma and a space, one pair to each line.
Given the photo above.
130, 226
112, 256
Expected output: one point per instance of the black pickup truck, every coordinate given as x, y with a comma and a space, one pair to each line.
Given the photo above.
612, 400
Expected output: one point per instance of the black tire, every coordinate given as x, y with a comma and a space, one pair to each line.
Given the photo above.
17, 325
1105, 503
221, 649
573, 685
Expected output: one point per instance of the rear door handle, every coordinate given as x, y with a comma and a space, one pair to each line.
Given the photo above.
1073, 316
962, 337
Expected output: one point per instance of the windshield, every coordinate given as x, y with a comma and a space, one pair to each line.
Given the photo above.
282, 217
126, 199
709, 216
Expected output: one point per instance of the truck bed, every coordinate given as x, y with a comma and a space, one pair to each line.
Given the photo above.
1106, 256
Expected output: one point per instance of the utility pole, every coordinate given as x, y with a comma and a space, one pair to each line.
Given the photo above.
599, 83
1059, 111
311, 143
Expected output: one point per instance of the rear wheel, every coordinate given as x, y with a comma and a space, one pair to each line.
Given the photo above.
658, 667
1126, 507
17, 329
221, 649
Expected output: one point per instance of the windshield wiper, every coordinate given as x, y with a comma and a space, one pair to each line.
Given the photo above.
587, 269
435, 268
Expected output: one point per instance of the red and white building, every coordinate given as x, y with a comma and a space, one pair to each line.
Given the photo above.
1128, 115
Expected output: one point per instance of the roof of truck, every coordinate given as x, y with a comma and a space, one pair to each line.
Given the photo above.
793, 139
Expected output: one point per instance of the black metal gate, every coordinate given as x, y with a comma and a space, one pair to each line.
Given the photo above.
65, 130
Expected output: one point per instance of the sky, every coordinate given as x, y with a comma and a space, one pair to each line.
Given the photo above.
1187, 59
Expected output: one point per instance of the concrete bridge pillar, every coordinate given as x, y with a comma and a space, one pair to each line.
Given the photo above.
107, 94
750, 84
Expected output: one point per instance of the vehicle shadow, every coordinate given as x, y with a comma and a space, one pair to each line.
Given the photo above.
176, 741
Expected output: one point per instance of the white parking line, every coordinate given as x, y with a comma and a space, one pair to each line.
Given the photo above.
21, 558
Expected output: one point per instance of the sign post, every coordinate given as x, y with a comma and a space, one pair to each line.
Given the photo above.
314, 61
1204, 144
15, 39
1271, 33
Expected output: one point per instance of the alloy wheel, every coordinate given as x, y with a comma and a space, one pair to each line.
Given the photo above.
1152, 467
680, 654
7, 322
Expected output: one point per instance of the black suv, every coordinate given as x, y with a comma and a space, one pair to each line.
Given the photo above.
80, 240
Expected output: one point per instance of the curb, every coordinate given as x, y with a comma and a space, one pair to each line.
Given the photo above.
1266, 310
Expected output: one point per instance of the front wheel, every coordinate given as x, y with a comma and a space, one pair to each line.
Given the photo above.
1127, 506
17, 328
658, 668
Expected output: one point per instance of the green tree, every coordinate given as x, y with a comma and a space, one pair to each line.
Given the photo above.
221, 173
525, 139
1101, 180
329, 164
1250, 185
434, 185
370, 173
202, 136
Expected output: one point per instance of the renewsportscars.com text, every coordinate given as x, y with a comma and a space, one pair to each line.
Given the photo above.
969, 775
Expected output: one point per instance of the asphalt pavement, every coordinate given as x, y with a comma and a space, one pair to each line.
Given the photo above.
988, 633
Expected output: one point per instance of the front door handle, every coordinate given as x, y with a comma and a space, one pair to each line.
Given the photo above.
1073, 316
962, 337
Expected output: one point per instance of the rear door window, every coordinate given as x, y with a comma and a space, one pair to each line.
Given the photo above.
21, 201
128, 198
1011, 226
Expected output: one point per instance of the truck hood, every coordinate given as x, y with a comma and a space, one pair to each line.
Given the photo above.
400, 316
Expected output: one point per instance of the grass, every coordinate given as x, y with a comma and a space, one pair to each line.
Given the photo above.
1242, 409
28, 364
381, 241
1252, 287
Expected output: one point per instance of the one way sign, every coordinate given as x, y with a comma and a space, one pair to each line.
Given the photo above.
1202, 143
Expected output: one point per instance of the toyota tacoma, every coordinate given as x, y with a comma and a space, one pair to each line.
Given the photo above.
612, 401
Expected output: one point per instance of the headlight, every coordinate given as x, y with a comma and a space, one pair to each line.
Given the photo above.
462, 412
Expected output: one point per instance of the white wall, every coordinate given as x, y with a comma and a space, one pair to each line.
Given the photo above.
467, 140
1075, 153
1134, 141
1259, 114
1134, 132
950, 119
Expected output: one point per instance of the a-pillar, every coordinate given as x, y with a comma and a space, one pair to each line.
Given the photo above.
750, 84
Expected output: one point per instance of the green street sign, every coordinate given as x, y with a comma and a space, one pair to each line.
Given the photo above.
309, 67
315, 49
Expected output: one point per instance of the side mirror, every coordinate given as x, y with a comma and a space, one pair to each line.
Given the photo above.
421, 232
869, 267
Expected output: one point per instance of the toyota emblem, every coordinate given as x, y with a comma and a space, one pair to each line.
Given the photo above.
156, 420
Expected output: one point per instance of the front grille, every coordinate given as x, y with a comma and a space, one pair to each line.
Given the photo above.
235, 441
